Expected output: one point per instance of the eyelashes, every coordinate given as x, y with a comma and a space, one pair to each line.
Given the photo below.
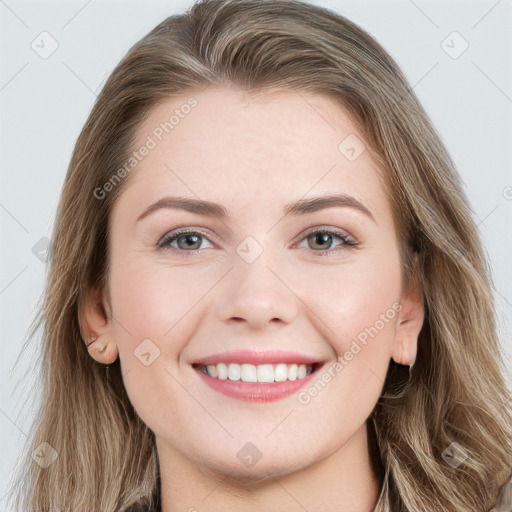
191, 241
188, 235
321, 238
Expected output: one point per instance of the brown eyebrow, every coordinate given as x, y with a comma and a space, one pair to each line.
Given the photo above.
300, 207
314, 204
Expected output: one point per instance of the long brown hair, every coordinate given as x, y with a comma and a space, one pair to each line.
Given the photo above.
456, 401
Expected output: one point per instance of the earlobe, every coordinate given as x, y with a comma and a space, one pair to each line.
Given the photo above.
96, 327
409, 322
104, 353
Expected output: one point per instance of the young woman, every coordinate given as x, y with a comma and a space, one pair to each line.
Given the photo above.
266, 290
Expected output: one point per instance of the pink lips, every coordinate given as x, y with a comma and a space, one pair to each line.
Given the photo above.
253, 357
255, 391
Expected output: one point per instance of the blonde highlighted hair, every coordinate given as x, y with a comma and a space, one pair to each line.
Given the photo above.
457, 391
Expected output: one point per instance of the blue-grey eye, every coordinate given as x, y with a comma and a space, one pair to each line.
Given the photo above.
184, 240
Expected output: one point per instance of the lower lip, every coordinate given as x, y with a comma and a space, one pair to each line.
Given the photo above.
255, 391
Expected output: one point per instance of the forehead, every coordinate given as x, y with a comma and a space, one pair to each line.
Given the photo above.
221, 142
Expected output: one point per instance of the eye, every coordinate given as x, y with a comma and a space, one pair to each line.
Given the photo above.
184, 240
322, 240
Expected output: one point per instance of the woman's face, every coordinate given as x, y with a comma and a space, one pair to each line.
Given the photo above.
273, 281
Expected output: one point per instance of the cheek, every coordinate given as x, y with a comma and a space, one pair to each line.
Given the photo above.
154, 307
358, 311
153, 301
357, 301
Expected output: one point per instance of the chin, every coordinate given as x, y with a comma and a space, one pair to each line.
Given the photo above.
252, 473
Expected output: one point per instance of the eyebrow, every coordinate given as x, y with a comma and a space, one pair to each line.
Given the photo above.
300, 207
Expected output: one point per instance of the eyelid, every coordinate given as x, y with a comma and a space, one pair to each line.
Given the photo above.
345, 236
173, 234
342, 233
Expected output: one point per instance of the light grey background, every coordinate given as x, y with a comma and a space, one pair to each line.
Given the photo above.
44, 103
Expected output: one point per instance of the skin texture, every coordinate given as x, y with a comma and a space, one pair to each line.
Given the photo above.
254, 155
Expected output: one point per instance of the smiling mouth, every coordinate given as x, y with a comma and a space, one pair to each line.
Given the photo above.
262, 383
247, 372
257, 376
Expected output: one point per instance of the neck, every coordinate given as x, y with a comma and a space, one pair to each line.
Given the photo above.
344, 481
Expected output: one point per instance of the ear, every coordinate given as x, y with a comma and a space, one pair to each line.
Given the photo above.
96, 325
409, 321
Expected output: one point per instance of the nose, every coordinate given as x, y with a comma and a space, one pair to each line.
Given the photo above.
256, 294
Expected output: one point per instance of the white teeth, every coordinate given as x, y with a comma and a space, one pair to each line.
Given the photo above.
248, 373
222, 371
281, 373
301, 371
265, 373
258, 373
234, 371
212, 370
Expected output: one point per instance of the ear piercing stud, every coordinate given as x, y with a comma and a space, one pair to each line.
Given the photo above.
101, 349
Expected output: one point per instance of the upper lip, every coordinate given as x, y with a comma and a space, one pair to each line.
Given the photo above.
257, 357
